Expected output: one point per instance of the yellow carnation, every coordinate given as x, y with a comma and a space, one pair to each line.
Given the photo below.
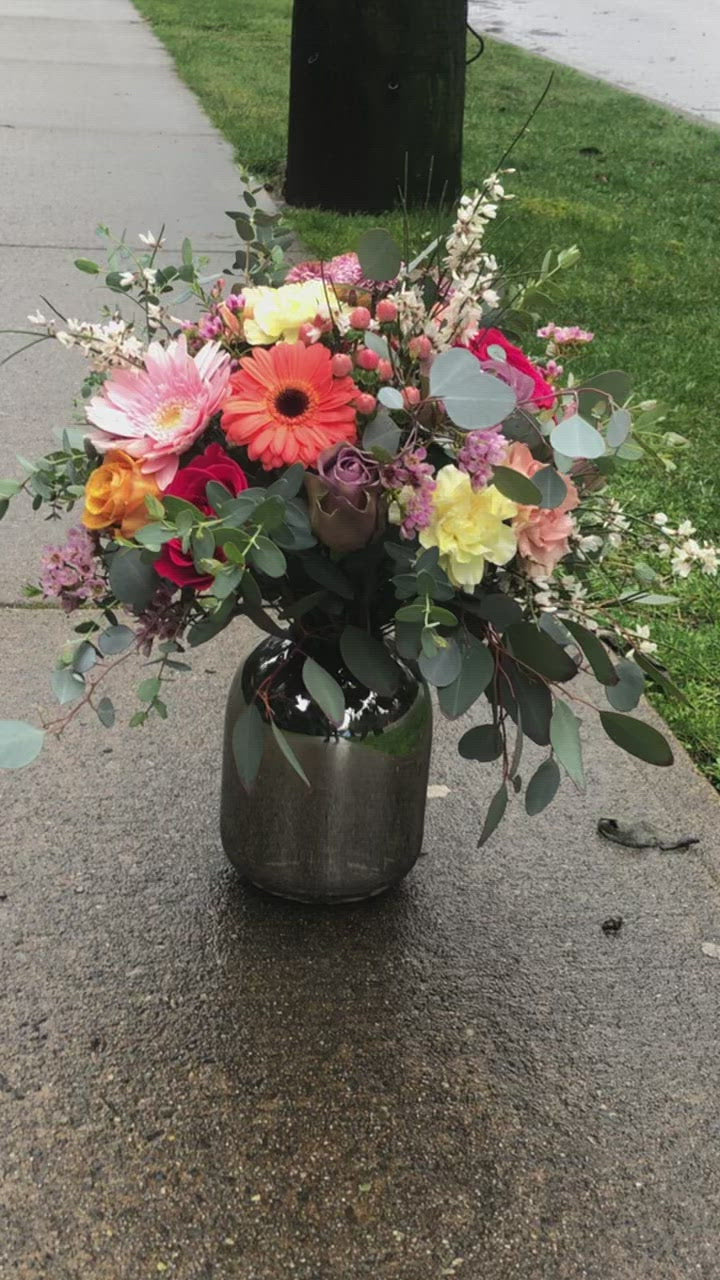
274, 315
468, 527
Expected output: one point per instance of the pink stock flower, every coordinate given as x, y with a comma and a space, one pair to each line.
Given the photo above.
156, 413
543, 535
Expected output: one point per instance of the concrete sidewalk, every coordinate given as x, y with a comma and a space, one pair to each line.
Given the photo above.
465, 1078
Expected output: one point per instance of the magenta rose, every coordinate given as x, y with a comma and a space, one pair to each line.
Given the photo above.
537, 388
345, 507
190, 483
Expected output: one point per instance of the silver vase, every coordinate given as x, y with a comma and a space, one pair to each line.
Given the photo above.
358, 828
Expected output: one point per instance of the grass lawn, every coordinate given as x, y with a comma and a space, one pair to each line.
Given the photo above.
638, 189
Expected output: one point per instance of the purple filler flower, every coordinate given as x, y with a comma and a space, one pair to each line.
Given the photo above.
71, 574
481, 452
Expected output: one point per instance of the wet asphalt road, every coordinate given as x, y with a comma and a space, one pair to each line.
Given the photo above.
660, 48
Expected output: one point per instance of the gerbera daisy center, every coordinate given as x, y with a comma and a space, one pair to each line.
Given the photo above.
170, 417
292, 402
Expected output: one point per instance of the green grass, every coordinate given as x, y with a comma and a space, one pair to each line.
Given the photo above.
644, 212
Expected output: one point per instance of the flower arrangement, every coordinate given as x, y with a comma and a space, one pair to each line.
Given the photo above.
362, 450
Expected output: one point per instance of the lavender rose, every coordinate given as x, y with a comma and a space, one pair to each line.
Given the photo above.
345, 500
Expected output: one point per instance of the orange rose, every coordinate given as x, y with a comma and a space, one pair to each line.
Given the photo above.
115, 495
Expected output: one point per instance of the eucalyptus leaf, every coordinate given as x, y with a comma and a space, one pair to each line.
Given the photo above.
106, 713
324, 690
443, 667
472, 680
267, 558
133, 579
611, 388
379, 254
391, 398
542, 787
68, 685
407, 639
565, 739
483, 743
328, 575
377, 343
473, 399
577, 439
595, 652
289, 484
115, 640
84, 657
495, 814
382, 433
618, 428
553, 489
628, 688
248, 741
20, 743
369, 661
288, 752
500, 610
637, 738
517, 487
535, 649
528, 701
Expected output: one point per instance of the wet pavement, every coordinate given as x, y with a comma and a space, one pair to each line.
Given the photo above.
467, 1077
660, 48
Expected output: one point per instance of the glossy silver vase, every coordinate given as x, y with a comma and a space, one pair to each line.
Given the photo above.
358, 828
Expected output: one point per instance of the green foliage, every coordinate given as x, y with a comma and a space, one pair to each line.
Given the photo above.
542, 787
369, 661
248, 743
324, 690
637, 738
473, 399
20, 743
565, 739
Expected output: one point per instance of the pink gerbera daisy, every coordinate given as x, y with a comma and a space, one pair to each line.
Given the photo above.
156, 413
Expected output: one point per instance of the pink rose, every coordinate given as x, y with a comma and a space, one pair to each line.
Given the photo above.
543, 536
540, 393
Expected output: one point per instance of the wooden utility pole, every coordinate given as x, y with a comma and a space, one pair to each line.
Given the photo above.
377, 93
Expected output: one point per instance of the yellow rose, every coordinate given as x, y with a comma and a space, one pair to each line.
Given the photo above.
274, 314
115, 495
468, 527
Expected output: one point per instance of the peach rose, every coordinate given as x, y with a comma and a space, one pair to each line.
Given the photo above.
543, 536
115, 495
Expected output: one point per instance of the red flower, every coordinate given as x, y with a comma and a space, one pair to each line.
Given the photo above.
190, 483
543, 395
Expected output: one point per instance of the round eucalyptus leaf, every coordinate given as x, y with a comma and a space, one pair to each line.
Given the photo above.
552, 487
20, 743
474, 399
443, 667
625, 694
391, 398
577, 439
618, 428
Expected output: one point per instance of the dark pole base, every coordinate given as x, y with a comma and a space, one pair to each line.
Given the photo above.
376, 103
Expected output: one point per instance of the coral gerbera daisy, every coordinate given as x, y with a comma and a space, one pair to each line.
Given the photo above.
285, 405
154, 414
